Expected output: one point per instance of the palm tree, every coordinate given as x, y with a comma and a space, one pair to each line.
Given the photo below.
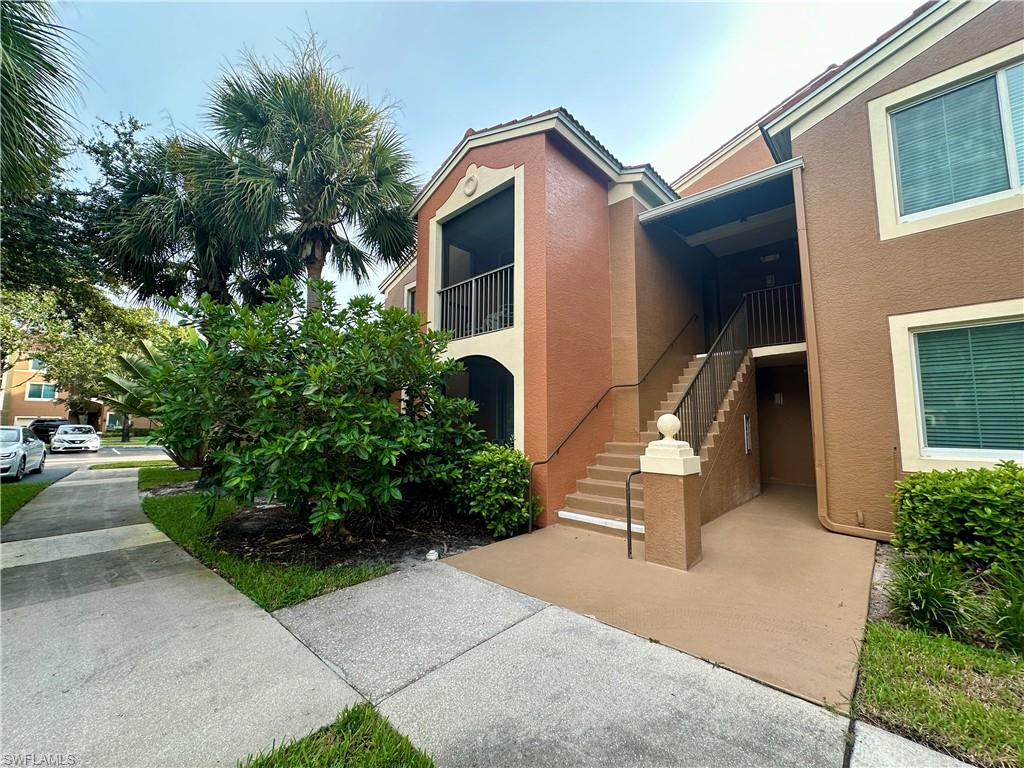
163, 227
306, 141
36, 80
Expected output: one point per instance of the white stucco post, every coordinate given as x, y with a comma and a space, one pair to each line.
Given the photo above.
671, 475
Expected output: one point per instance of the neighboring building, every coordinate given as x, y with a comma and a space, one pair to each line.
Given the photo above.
854, 262
25, 395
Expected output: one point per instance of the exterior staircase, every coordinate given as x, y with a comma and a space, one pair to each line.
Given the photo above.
599, 503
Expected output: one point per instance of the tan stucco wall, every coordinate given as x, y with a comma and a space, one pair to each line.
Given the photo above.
784, 431
732, 476
395, 297
858, 281
15, 405
753, 156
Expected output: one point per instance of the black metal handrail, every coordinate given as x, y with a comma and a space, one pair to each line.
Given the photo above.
775, 315
594, 406
698, 405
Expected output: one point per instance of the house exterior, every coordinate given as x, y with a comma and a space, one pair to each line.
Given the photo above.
25, 395
834, 298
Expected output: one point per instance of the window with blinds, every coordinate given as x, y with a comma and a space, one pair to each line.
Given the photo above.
961, 145
971, 386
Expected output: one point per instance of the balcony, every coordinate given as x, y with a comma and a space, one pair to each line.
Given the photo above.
481, 304
775, 316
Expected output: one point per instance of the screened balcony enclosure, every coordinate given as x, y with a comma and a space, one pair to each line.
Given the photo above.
477, 255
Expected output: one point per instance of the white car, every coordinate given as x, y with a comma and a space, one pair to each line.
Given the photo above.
74, 437
20, 451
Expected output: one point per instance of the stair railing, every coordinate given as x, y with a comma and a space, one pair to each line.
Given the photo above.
699, 404
594, 406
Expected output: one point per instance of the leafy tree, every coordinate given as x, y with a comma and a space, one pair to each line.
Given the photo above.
158, 221
316, 157
77, 346
36, 81
298, 406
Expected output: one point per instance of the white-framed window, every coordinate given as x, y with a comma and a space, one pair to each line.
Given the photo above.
39, 391
970, 389
36, 365
959, 385
964, 145
410, 298
949, 148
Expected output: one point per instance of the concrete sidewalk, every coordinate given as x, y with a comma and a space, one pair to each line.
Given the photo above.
479, 675
119, 649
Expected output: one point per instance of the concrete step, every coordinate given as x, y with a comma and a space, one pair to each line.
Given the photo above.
606, 524
600, 505
627, 449
631, 461
612, 489
604, 472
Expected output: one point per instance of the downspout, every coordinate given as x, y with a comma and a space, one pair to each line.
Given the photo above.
814, 376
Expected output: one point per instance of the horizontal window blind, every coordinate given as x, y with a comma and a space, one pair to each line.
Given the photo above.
950, 148
1015, 92
972, 386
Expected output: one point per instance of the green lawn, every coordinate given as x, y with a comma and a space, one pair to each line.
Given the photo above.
132, 463
14, 496
955, 697
154, 477
110, 438
269, 585
359, 738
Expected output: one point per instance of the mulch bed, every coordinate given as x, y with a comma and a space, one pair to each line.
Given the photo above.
269, 533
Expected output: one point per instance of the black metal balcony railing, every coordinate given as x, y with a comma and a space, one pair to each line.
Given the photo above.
775, 315
479, 305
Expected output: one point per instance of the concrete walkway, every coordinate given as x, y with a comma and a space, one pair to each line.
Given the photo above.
119, 649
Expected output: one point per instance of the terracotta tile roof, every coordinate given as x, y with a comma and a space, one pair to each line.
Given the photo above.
568, 116
812, 85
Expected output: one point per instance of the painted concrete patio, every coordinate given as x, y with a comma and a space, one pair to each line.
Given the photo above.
776, 596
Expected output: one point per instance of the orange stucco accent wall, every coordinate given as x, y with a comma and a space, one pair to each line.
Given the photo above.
576, 323
753, 156
858, 280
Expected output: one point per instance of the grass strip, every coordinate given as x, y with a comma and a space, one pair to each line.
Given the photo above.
14, 496
133, 463
269, 585
360, 738
957, 698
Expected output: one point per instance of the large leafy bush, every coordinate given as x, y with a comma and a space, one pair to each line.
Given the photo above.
300, 407
495, 486
975, 514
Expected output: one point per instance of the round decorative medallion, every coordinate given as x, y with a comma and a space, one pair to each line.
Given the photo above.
469, 185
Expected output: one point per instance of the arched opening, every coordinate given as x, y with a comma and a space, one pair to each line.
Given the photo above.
489, 384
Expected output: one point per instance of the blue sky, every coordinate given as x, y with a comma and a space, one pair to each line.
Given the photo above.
660, 83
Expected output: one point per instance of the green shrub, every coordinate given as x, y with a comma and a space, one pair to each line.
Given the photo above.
931, 591
141, 431
494, 488
297, 406
975, 514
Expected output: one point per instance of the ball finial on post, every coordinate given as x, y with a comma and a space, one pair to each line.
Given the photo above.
669, 426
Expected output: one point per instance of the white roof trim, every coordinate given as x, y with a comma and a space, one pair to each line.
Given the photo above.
750, 180
396, 274
860, 67
539, 124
